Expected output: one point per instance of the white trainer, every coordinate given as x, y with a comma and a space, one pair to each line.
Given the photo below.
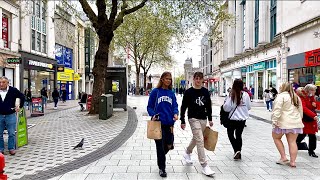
188, 158
207, 171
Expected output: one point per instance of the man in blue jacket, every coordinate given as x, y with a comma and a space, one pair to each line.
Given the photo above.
8, 109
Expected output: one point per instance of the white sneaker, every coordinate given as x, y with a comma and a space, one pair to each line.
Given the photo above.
207, 171
55, 108
188, 158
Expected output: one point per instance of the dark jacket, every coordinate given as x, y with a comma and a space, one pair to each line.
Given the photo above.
55, 94
44, 93
10, 100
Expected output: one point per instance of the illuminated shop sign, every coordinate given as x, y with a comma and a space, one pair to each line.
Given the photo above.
40, 64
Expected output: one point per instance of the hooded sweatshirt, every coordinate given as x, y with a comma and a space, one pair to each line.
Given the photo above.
242, 111
164, 102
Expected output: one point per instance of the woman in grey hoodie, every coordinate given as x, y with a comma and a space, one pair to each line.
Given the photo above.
238, 106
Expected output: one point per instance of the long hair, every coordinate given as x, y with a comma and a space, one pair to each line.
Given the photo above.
160, 83
237, 87
287, 87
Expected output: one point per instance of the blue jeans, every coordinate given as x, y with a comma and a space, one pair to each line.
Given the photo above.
8, 121
269, 105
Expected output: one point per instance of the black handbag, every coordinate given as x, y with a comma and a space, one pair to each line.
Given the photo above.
225, 118
307, 118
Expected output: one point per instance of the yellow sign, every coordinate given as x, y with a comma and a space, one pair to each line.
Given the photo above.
62, 76
76, 77
68, 70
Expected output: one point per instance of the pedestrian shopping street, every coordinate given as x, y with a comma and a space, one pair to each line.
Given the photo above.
136, 158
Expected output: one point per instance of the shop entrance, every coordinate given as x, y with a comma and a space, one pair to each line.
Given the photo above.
260, 85
68, 86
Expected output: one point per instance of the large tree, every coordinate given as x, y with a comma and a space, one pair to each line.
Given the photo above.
105, 25
148, 41
189, 13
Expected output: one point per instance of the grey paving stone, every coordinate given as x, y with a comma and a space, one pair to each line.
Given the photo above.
94, 169
231, 170
103, 162
253, 170
126, 157
249, 177
149, 176
74, 177
184, 169
99, 177
199, 176
125, 176
272, 177
128, 162
225, 176
139, 169
115, 169
155, 169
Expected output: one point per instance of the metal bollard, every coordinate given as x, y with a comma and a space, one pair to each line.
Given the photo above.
2, 165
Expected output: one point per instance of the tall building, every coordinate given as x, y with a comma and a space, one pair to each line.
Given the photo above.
9, 42
189, 70
270, 42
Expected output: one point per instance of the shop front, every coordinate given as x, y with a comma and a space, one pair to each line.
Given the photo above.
38, 72
261, 76
304, 68
65, 82
9, 68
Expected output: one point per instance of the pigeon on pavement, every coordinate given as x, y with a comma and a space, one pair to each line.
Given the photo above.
79, 146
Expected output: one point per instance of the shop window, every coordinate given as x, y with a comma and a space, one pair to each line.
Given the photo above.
273, 19
256, 23
25, 74
5, 30
39, 26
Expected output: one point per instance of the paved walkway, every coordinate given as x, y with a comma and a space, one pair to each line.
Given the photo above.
53, 137
136, 159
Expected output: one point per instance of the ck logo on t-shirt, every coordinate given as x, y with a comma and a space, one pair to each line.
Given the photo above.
199, 101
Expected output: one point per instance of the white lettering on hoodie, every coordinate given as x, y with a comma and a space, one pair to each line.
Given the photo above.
164, 98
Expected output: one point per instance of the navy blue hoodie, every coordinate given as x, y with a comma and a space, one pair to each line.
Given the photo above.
164, 102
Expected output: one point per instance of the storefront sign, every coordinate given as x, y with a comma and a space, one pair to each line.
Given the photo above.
244, 69
312, 58
60, 68
5, 31
76, 77
62, 76
259, 66
37, 107
295, 61
89, 101
14, 60
63, 55
40, 64
22, 129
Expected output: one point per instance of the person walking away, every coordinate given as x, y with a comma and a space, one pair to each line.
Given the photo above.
8, 110
252, 93
268, 99
310, 126
274, 92
64, 95
238, 106
198, 102
287, 119
55, 97
44, 96
163, 101
28, 97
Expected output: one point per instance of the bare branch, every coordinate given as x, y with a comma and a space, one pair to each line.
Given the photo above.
114, 11
119, 20
89, 12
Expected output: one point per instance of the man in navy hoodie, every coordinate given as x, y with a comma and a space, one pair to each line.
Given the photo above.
8, 109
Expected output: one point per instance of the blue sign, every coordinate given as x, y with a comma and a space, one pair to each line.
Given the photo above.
183, 82
64, 55
259, 66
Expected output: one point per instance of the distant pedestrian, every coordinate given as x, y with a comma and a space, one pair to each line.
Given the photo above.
55, 97
252, 93
64, 95
287, 119
28, 97
198, 102
238, 106
268, 97
310, 118
8, 110
274, 92
83, 100
163, 101
44, 96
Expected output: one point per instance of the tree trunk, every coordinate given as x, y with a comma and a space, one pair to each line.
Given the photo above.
99, 71
145, 79
137, 82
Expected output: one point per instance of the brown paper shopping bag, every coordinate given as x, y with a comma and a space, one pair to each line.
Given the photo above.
154, 130
210, 139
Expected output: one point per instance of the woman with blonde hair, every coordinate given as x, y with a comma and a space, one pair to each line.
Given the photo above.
162, 105
287, 119
310, 118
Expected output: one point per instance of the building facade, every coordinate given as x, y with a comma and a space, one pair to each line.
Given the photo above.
9, 42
